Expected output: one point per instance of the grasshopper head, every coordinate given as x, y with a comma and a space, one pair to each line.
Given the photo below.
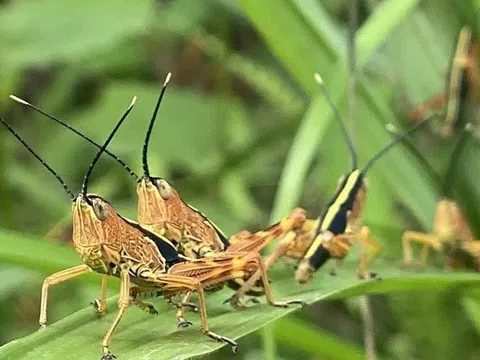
158, 201
94, 219
304, 272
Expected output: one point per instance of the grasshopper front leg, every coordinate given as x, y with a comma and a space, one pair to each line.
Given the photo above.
428, 240
54, 279
100, 304
367, 242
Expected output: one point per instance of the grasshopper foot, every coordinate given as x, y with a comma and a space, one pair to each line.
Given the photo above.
368, 275
235, 302
42, 326
297, 302
190, 305
99, 307
108, 356
286, 304
223, 339
182, 323
149, 308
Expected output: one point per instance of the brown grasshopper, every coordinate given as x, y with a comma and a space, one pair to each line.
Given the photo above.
450, 229
161, 210
116, 246
338, 226
463, 85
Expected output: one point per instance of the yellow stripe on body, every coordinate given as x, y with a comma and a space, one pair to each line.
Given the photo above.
332, 211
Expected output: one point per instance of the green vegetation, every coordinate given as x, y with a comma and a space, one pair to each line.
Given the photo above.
245, 135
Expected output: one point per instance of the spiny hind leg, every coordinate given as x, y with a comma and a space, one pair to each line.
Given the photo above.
184, 283
54, 279
428, 240
268, 290
279, 250
367, 242
140, 291
123, 303
100, 304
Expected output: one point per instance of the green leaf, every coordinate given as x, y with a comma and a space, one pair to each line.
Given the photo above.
301, 49
55, 31
300, 335
143, 336
373, 34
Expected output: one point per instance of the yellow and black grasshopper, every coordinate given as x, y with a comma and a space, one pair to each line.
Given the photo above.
338, 226
451, 232
161, 210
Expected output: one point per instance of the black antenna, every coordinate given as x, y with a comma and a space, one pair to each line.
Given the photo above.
146, 171
397, 139
60, 180
351, 147
102, 149
64, 124
459, 146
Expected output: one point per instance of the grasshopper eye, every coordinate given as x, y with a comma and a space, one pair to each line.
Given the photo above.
164, 188
101, 209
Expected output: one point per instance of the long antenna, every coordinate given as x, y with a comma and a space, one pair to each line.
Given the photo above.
348, 139
395, 141
60, 180
146, 171
459, 146
102, 149
64, 124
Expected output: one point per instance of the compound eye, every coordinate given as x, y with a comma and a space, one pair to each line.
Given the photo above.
164, 188
100, 208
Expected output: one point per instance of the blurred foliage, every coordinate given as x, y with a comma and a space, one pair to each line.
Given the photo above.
244, 134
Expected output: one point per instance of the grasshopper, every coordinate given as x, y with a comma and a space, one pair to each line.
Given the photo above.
450, 228
338, 226
463, 85
161, 210
113, 245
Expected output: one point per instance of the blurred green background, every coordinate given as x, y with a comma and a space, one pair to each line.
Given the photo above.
244, 134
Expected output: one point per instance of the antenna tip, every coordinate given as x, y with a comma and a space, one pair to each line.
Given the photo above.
318, 78
167, 79
134, 100
17, 99
391, 128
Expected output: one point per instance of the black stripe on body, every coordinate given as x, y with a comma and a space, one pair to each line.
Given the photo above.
319, 257
338, 223
164, 246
